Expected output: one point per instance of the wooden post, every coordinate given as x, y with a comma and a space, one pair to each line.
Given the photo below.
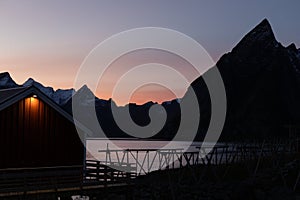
105, 175
98, 170
180, 161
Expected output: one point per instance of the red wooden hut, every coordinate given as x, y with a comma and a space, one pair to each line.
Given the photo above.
36, 132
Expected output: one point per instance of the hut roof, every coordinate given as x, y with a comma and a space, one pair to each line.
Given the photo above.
13, 95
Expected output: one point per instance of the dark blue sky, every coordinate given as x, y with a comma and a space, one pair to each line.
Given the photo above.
40, 38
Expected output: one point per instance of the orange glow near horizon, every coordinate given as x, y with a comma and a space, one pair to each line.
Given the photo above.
64, 77
159, 94
145, 93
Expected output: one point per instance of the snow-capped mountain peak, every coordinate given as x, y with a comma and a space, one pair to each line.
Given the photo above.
47, 90
28, 83
6, 81
60, 96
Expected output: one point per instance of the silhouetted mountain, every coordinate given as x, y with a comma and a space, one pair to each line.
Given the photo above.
86, 101
6, 81
59, 96
262, 83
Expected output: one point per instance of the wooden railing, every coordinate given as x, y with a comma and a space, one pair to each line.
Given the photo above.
45, 178
144, 161
97, 172
53, 179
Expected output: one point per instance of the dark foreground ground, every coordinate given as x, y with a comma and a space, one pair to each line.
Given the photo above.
269, 178
238, 181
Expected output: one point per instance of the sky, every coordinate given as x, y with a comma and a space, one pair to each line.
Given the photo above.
48, 40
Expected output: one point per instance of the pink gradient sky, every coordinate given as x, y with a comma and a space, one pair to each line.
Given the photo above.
48, 40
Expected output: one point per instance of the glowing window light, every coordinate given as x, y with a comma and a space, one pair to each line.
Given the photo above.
33, 100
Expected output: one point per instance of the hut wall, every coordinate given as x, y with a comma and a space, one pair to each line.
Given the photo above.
33, 134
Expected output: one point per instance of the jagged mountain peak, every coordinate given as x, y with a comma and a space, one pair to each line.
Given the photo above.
262, 82
2, 74
261, 36
29, 82
60, 96
263, 31
6, 81
292, 47
47, 90
85, 90
84, 96
264, 25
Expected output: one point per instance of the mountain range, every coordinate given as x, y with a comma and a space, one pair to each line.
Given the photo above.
59, 96
262, 83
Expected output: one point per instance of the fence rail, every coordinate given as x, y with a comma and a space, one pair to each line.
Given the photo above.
99, 173
143, 161
30, 179
52, 179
